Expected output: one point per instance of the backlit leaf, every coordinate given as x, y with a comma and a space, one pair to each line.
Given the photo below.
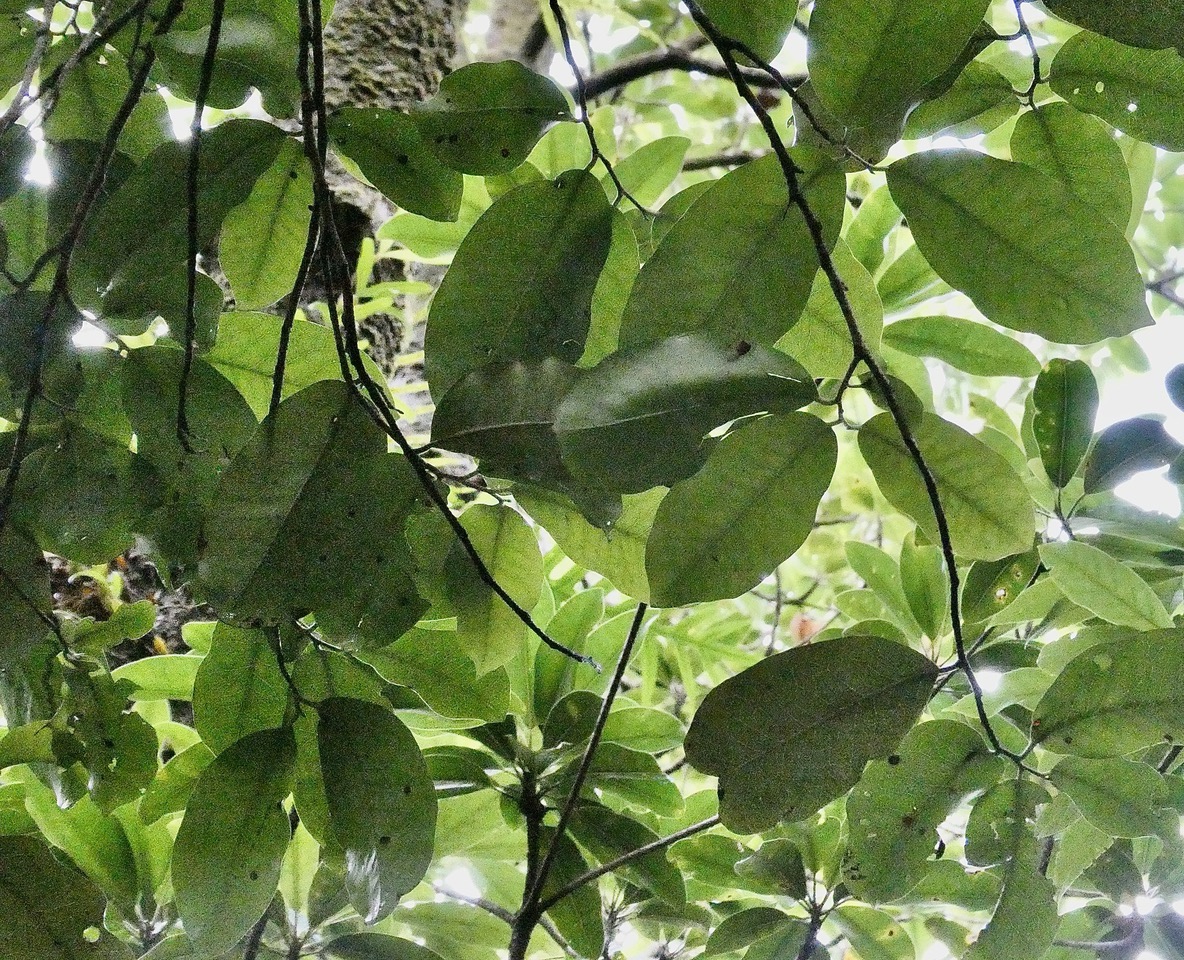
1103, 585
1065, 402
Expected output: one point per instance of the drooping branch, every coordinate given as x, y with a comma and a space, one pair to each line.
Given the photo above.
727, 50
734, 159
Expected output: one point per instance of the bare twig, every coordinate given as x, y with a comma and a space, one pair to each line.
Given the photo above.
669, 58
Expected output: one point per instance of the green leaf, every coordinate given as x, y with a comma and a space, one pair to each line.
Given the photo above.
309, 502
577, 916
639, 419
263, 237
761, 25
777, 863
174, 782
487, 629
991, 585
488, 116
167, 677
1025, 919
521, 284
745, 928
570, 626
503, 414
246, 350
1115, 697
118, 259
820, 340
1174, 384
48, 907
1103, 585
740, 263
652, 168
617, 553
1121, 797
751, 506
1081, 152
894, 811
239, 688
1127, 448
382, 805
870, 63
873, 934
989, 512
377, 946
782, 761
979, 100
129, 621
227, 858
28, 743
1064, 403
1156, 24
1031, 255
436, 667
926, 586
608, 835
16, 150
969, 346
1101, 76
387, 147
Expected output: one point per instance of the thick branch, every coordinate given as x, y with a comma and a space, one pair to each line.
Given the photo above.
669, 58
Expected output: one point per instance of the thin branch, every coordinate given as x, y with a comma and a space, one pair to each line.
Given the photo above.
192, 170
281, 357
255, 939
862, 351
582, 102
530, 902
625, 859
669, 58
364, 387
58, 290
734, 159
1026, 32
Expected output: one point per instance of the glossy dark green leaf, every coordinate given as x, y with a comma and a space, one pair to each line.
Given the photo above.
256, 50
488, 116
1031, 255
1103, 585
504, 414
521, 284
1127, 448
751, 506
1150, 24
895, 809
118, 258
869, 65
639, 418
973, 347
377, 946
826, 710
487, 629
989, 512
389, 150
1065, 402
48, 907
239, 688
309, 502
740, 263
1106, 78
226, 862
1115, 698
382, 806
1081, 152
16, 149
263, 237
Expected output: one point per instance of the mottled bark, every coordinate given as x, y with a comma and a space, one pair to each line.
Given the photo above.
385, 54
516, 32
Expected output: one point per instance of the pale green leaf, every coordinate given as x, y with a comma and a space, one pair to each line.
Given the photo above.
1103, 585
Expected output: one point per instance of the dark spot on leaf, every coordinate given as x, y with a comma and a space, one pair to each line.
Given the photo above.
254, 874
721, 793
454, 138
292, 174
893, 760
108, 743
403, 159
505, 151
384, 841
1068, 739
406, 789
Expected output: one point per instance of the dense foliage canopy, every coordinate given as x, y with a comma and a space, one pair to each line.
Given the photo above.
761, 588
